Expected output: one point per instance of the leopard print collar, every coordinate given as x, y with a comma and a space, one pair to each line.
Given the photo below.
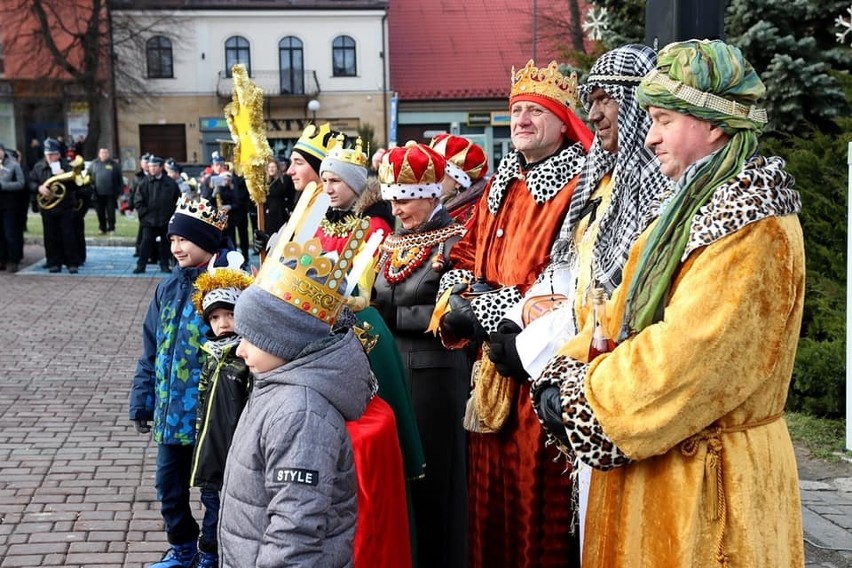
763, 189
544, 180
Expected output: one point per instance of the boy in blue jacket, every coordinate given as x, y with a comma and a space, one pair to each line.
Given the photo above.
165, 387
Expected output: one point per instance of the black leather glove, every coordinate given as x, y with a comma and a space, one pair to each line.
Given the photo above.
548, 406
142, 426
459, 326
261, 239
504, 352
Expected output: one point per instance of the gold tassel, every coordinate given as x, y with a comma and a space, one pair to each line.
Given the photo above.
442, 306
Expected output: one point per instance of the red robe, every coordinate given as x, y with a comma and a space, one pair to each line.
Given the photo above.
520, 500
382, 538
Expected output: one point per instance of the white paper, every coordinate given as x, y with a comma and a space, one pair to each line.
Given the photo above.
542, 338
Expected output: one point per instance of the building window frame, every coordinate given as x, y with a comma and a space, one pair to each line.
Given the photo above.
344, 57
291, 65
237, 50
159, 58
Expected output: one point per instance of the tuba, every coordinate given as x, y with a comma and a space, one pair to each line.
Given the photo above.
60, 185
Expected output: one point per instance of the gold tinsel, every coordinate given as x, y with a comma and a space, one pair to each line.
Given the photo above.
218, 278
245, 120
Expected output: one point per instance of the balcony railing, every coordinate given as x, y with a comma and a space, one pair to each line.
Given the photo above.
274, 84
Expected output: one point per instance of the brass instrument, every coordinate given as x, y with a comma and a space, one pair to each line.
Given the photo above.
60, 185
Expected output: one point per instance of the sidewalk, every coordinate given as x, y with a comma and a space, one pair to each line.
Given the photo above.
76, 481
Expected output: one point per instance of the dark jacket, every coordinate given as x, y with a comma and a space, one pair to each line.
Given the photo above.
280, 201
155, 200
165, 387
12, 177
106, 177
289, 497
222, 393
41, 172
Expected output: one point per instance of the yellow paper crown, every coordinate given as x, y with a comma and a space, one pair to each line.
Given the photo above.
354, 155
317, 140
546, 82
202, 210
304, 278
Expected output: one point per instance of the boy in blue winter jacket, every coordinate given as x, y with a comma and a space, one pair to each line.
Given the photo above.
165, 387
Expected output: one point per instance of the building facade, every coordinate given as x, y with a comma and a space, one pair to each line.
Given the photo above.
320, 60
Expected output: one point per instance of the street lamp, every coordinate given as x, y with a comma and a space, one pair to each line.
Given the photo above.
313, 106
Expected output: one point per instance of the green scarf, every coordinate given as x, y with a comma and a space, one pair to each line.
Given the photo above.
714, 68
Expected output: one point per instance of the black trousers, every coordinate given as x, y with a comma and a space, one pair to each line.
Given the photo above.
11, 227
61, 242
105, 207
149, 243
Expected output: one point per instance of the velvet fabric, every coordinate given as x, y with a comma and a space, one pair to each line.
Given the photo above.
519, 498
709, 380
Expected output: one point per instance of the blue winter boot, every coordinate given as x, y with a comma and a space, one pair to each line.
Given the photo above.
178, 556
205, 560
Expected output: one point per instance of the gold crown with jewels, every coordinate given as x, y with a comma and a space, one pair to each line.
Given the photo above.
202, 210
545, 82
354, 155
304, 278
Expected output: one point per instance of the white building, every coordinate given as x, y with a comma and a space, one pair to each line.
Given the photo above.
328, 53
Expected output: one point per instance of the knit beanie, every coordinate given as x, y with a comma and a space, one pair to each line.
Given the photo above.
353, 175
198, 222
273, 325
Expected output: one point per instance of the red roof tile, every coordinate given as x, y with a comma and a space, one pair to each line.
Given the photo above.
465, 49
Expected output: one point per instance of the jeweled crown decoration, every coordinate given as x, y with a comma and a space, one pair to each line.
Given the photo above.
354, 155
317, 140
202, 210
304, 278
545, 82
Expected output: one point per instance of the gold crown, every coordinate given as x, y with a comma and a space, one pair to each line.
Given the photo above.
317, 140
545, 82
354, 155
202, 210
304, 278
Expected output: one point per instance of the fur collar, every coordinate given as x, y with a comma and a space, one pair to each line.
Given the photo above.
543, 180
763, 189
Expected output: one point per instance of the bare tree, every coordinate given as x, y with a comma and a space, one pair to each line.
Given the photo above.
72, 42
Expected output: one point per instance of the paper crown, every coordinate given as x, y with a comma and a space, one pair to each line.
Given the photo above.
202, 210
466, 161
413, 171
354, 155
220, 285
545, 82
317, 140
304, 278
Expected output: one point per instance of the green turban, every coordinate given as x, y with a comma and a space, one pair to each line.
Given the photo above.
709, 80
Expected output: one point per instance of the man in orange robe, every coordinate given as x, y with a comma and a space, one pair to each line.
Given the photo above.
520, 509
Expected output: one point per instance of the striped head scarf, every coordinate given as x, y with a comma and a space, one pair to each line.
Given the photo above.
639, 183
711, 81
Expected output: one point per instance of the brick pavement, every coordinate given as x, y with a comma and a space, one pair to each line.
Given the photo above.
76, 481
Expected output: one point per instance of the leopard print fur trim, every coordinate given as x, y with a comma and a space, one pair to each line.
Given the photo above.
490, 307
452, 277
763, 189
543, 181
589, 443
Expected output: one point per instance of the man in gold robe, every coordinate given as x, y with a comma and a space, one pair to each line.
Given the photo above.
682, 421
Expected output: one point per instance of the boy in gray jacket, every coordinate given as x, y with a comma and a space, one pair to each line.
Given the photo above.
289, 492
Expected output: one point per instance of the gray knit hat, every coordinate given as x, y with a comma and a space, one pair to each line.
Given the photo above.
348, 163
353, 175
273, 325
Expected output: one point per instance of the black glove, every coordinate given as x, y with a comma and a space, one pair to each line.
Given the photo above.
142, 426
504, 352
261, 239
548, 406
459, 326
